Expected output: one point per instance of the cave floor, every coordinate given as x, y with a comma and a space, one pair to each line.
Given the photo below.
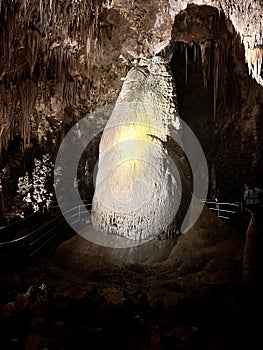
82, 313
190, 296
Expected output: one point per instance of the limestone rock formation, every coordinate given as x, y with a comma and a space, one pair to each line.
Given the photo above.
62, 59
208, 255
138, 187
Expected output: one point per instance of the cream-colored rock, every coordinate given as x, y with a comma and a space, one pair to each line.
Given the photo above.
138, 187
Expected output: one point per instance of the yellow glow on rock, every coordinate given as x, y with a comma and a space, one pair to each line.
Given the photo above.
132, 142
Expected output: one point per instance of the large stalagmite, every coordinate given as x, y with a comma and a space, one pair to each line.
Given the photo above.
138, 187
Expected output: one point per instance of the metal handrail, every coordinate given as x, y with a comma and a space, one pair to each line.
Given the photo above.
225, 210
219, 207
19, 221
30, 234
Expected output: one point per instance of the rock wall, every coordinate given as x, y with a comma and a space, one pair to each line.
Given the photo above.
217, 98
62, 59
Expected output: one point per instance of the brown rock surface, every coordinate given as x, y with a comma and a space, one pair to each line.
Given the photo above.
208, 255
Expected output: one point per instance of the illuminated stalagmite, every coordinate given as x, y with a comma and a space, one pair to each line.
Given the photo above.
138, 187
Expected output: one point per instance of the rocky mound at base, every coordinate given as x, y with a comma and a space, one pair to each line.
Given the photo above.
210, 254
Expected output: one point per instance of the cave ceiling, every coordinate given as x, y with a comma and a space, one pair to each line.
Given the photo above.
60, 60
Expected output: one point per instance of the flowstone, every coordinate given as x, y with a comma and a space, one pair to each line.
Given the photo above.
138, 187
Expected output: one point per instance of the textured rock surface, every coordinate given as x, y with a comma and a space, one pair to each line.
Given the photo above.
208, 255
246, 17
61, 59
215, 97
138, 188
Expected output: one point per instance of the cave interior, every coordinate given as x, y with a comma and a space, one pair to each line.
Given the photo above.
62, 61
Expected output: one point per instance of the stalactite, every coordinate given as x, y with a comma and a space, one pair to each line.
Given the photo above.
216, 74
44, 31
254, 58
253, 44
205, 57
33, 42
195, 53
28, 95
186, 61
41, 10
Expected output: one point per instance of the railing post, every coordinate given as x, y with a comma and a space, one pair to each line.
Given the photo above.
217, 207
